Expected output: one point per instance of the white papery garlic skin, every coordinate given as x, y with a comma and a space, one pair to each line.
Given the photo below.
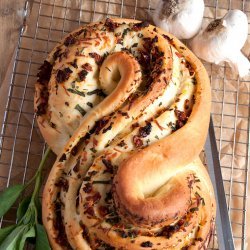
223, 40
182, 18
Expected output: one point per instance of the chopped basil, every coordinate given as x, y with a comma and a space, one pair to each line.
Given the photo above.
77, 92
125, 32
90, 104
93, 150
197, 180
134, 45
80, 109
203, 202
98, 92
196, 193
194, 209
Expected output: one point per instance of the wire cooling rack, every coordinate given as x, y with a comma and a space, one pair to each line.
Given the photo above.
22, 146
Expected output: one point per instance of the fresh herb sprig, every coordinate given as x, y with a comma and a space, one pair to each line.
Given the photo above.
28, 216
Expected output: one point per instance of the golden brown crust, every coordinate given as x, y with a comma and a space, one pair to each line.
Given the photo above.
130, 176
171, 152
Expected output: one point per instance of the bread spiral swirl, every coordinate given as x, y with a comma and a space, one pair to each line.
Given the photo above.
130, 176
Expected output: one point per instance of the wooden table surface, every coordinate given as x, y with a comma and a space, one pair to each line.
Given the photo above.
11, 12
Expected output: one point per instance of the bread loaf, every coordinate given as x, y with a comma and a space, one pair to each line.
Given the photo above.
126, 107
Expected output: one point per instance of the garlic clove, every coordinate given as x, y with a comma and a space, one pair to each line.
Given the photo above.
240, 64
182, 18
224, 23
222, 40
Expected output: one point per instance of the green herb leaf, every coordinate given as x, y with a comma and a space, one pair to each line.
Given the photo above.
11, 242
30, 215
9, 196
28, 233
39, 210
42, 242
22, 208
14, 237
80, 109
4, 232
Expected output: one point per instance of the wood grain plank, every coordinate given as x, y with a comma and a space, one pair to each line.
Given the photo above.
11, 12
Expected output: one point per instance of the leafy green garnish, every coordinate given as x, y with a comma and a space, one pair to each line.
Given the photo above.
28, 215
4, 232
9, 196
42, 242
22, 208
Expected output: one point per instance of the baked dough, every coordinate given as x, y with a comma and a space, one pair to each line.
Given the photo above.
130, 176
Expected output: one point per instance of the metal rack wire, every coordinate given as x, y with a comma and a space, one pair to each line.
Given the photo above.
21, 145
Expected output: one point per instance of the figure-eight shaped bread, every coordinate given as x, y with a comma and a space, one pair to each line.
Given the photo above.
130, 176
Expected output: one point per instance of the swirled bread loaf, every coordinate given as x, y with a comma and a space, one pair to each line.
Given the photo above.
126, 107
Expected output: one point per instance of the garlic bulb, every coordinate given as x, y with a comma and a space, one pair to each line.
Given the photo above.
222, 40
182, 18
